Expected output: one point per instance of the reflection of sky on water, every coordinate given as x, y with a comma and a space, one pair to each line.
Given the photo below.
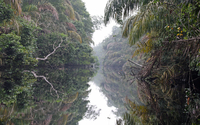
100, 101
96, 97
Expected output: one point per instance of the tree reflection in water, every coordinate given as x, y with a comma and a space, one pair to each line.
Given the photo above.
41, 106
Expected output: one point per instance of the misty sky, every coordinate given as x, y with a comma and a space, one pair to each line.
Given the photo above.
96, 8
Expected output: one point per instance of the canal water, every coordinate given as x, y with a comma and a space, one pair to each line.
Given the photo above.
61, 96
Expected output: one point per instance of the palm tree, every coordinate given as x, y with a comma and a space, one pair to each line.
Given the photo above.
149, 24
120, 9
152, 16
149, 19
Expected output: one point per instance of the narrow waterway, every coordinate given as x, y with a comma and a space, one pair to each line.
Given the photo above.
106, 115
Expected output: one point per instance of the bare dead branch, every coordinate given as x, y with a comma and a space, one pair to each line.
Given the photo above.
54, 50
135, 63
36, 76
183, 40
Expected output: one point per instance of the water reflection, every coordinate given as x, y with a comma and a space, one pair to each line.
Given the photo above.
164, 102
109, 89
110, 95
106, 116
32, 101
148, 101
116, 87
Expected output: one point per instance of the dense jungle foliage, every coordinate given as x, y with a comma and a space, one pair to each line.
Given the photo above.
38, 39
42, 106
156, 52
166, 34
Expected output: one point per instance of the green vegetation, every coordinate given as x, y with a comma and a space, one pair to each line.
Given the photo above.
38, 40
160, 64
166, 35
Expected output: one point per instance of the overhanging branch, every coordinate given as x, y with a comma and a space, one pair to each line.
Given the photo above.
183, 40
54, 50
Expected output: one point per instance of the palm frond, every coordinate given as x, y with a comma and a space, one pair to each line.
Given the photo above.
128, 119
148, 19
70, 11
49, 7
68, 2
71, 26
78, 17
75, 35
65, 118
15, 4
145, 47
120, 9
137, 26
71, 99
146, 44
